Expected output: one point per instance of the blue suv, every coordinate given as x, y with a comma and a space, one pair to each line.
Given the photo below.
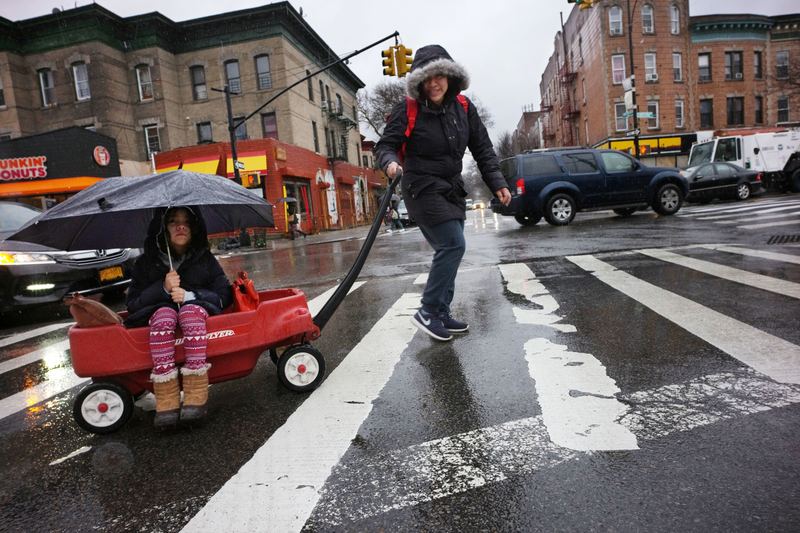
558, 182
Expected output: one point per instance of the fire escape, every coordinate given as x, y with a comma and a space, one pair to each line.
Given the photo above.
336, 115
568, 109
548, 132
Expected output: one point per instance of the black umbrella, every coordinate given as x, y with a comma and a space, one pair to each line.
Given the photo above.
115, 212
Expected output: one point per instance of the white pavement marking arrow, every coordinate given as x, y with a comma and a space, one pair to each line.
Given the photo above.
770, 355
577, 397
453, 465
279, 487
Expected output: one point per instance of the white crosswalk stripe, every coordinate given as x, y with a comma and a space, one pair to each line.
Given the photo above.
749, 216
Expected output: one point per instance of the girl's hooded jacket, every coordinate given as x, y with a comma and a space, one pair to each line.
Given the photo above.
432, 185
199, 271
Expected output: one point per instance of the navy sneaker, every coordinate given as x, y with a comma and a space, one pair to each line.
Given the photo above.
432, 325
452, 325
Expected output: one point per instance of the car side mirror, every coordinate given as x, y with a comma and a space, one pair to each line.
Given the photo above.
699, 176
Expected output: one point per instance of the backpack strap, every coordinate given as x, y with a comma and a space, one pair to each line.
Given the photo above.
412, 108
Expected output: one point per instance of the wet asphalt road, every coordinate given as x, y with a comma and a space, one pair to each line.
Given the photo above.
579, 400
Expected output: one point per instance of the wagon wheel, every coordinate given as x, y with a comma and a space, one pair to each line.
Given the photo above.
301, 368
273, 355
102, 407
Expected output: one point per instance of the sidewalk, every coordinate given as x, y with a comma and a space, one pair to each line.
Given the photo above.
359, 232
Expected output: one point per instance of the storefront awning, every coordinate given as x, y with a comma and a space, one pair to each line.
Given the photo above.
167, 168
252, 161
51, 186
346, 180
204, 165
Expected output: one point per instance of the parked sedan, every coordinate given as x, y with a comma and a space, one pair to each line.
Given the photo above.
722, 180
31, 274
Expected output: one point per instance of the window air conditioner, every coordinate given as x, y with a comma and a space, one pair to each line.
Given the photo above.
651, 77
738, 75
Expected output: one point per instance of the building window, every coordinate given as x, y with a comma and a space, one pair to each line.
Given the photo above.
144, 82
647, 19
615, 20
322, 93
232, 76
735, 111
621, 121
674, 20
617, 68
783, 109
650, 70
151, 139
759, 110
199, 89
269, 123
652, 108
758, 67
677, 67
204, 133
80, 75
263, 73
782, 65
310, 87
707, 113
340, 107
704, 67
46, 89
327, 142
328, 94
241, 130
733, 66
679, 114
316, 136
365, 161
2, 94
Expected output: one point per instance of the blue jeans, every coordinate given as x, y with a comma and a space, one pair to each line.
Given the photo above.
447, 240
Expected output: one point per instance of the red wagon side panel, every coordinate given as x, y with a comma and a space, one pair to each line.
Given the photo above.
235, 341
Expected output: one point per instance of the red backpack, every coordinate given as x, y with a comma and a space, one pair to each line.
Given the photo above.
412, 108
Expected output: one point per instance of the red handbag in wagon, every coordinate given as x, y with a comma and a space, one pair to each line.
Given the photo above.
245, 296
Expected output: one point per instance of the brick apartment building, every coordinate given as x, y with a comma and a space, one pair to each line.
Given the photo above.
148, 82
692, 73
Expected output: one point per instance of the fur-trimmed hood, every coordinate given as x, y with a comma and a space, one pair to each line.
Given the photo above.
434, 60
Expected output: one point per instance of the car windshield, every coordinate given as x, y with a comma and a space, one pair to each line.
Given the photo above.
701, 153
14, 216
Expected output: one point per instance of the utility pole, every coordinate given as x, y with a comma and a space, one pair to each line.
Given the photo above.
231, 131
633, 79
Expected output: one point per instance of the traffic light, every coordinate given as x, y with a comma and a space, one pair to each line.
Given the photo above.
388, 61
402, 57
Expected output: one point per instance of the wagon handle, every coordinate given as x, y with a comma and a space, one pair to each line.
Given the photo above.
344, 287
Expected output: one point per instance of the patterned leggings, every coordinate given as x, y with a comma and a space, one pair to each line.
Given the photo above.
192, 319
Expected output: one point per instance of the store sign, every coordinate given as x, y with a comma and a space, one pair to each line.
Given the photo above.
101, 156
22, 168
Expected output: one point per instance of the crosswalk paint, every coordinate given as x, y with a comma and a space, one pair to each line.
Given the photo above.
37, 332
279, 487
456, 464
773, 356
747, 213
759, 218
736, 275
692, 211
54, 350
770, 224
761, 254
577, 397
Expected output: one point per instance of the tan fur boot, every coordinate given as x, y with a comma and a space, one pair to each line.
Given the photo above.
195, 394
168, 399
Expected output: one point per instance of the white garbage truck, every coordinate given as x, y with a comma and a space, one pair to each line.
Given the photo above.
776, 154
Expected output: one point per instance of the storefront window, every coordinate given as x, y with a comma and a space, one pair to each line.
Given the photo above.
145, 82
46, 87
80, 75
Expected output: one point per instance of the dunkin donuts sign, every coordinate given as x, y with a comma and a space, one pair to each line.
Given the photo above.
20, 168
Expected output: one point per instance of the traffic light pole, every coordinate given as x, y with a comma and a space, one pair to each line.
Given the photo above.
232, 127
635, 107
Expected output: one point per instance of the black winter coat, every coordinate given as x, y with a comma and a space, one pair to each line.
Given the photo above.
200, 273
432, 185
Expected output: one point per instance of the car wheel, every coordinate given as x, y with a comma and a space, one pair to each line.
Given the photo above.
668, 199
625, 211
301, 368
102, 407
743, 191
560, 209
527, 220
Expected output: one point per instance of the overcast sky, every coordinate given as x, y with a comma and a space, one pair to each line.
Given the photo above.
504, 44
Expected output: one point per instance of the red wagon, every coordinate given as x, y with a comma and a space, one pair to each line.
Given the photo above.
118, 359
